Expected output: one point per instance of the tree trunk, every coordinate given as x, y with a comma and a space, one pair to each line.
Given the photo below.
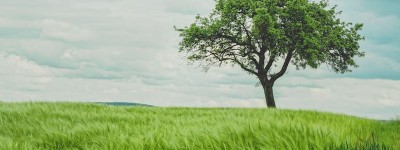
269, 95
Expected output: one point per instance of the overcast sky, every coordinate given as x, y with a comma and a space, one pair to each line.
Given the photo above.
127, 50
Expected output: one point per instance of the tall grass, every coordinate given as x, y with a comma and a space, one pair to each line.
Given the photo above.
94, 126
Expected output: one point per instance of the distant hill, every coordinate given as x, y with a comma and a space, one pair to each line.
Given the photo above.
124, 104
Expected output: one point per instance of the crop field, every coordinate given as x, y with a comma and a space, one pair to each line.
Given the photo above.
40, 125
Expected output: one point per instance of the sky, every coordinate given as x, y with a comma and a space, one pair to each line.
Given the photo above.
127, 51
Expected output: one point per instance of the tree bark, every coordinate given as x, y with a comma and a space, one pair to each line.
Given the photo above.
269, 95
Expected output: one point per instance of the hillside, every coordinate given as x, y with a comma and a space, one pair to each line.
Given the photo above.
96, 126
123, 104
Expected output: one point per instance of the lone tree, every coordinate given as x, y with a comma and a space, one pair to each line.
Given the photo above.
264, 36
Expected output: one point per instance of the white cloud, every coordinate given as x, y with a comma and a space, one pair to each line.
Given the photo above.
346, 95
189, 7
65, 31
111, 91
20, 66
22, 75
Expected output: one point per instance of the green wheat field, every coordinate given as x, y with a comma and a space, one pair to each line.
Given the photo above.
44, 125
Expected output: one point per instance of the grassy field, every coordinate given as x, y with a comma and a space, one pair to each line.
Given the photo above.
96, 126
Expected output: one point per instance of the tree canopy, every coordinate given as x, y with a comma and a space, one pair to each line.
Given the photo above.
259, 35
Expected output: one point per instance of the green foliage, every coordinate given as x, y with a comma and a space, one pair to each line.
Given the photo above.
95, 126
254, 34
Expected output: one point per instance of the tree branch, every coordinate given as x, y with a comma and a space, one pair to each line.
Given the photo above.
250, 43
270, 62
235, 60
284, 67
244, 66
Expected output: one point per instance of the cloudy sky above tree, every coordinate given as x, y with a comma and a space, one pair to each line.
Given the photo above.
127, 50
